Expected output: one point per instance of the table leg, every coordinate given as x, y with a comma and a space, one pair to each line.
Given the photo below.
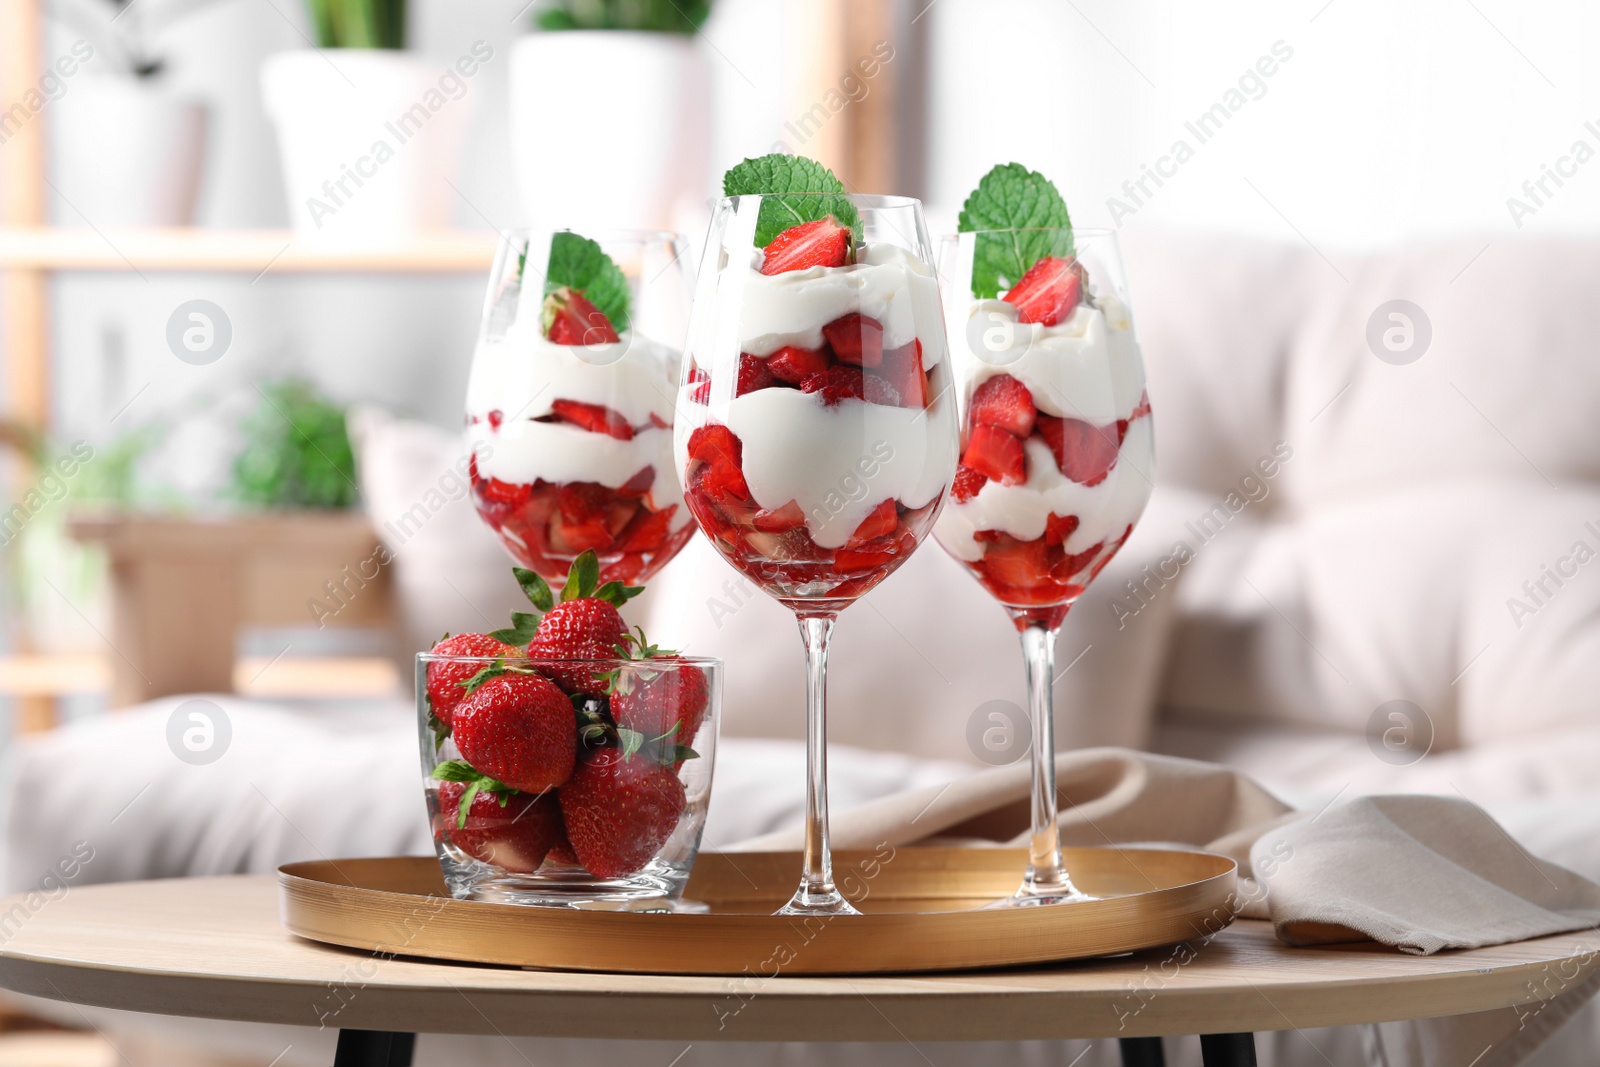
374, 1048
1142, 1052
1228, 1050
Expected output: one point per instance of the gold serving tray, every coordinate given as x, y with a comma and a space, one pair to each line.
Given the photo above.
923, 911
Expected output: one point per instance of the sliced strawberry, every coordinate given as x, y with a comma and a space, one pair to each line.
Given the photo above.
596, 418
1047, 293
646, 531
569, 319
1018, 566
640, 483
1071, 563
1057, 528
835, 384
1004, 402
996, 455
823, 243
967, 484
753, 374
792, 363
871, 555
902, 368
780, 520
856, 340
1085, 453
881, 521
715, 455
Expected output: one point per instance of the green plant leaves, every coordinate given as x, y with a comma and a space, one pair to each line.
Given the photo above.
579, 263
1028, 207
775, 174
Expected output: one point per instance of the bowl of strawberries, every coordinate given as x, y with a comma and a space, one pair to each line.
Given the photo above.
567, 760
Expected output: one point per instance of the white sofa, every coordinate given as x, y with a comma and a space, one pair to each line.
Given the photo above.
1408, 505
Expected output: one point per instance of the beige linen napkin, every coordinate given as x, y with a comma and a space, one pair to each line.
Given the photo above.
1421, 873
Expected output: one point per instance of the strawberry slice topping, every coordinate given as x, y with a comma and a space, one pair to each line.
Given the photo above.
881, 521
835, 384
1084, 452
1004, 402
856, 340
902, 369
1048, 292
1058, 528
754, 373
715, 455
793, 364
569, 319
823, 243
996, 455
596, 418
779, 520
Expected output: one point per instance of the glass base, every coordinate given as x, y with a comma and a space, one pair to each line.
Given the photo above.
807, 901
1035, 893
656, 888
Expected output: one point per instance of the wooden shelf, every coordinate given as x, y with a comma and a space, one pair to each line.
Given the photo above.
240, 251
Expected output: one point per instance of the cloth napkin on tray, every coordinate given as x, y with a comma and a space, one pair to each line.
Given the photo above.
1420, 873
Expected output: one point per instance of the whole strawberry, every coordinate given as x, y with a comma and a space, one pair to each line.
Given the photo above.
518, 728
447, 681
619, 810
584, 625
511, 830
669, 702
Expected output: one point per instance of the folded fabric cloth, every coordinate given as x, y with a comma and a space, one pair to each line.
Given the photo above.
1421, 873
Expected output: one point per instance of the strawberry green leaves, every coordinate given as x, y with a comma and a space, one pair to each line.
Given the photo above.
579, 263
1019, 218
583, 580
773, 175
524, 625
456, 770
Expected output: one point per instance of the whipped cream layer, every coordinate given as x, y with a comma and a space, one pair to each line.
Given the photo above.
1087, 368
522, 374
886, 283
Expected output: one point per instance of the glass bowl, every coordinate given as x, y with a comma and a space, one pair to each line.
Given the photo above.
568, 783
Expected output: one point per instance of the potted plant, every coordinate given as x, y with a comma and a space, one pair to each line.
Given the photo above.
114, 105
643, 82
370, 136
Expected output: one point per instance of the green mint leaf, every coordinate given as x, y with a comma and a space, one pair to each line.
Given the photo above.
1012, 197
777, 174
535, 588
617, 594
583, 576
523, 626
582, 264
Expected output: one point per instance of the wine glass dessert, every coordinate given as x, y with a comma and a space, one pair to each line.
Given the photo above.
816, 434
570, 401
1056, 444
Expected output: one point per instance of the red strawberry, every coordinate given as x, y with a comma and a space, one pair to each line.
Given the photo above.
996, 455
444, 679
640, 483
596, 418
967, 484
835, 384
518, 729
647, 531
619, 811
872, 555
823, 243
715, 455
589, 516
902, 368
1071, 563
1004, 402
1057, 529
654, 701
569, 319
792, 363
754, 373
779, 520
1085, 453
1017, 567
1047, 293
582, 629
856, 340
517, 836
881, 521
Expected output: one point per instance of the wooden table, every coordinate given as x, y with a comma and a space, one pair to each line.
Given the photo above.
213, 948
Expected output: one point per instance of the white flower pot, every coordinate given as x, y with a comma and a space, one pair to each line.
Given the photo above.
128, 153
609, 129
370, 143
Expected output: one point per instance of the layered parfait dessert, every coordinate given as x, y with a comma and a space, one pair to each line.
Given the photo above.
1057, 456
815, 432
569, 417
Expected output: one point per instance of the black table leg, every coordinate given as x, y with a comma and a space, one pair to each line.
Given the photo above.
376, 1048
1228, 1050
1142, 1052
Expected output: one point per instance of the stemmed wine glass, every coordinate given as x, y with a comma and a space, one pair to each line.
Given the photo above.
816, 433
571, 397
1056, 456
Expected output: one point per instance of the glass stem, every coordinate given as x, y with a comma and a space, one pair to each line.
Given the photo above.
817, 894
1046, 876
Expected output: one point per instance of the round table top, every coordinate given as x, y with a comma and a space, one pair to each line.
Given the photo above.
214, 948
